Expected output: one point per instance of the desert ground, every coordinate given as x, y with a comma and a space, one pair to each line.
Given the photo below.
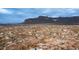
39, 37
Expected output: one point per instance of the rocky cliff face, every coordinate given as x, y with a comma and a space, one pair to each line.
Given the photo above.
58, 20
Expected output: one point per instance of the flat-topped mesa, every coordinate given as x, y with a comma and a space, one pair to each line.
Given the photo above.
40, 19
56, 20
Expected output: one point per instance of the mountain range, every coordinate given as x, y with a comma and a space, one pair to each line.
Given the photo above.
74, 20
53, 20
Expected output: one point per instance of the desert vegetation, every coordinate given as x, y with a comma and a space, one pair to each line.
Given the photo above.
39, 37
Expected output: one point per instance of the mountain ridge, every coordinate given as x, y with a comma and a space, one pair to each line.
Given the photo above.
73, 20
52, 20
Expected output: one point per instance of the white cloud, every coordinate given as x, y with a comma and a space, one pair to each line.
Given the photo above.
59, 12
5, 11
71, 10
44, 10
47, 10
68, 11
20, 13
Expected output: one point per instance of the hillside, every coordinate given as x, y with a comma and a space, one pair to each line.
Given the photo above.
74, 20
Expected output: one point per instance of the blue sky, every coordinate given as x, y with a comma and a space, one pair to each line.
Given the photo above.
17, 15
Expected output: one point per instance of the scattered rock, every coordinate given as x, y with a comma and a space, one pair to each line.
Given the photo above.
39, 37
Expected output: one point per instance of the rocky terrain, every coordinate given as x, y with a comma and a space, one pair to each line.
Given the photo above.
74, 20
42, 33
39, 36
